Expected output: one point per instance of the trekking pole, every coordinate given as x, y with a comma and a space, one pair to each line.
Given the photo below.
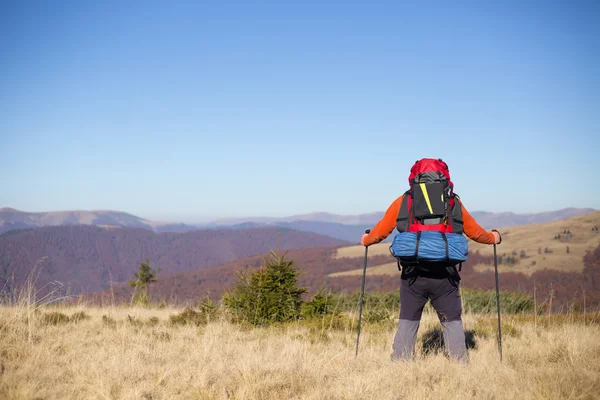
362, 293
498, 298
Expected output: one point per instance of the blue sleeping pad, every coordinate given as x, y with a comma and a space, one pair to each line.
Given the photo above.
432, 247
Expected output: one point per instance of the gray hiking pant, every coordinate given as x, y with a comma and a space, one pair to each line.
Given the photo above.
445, 299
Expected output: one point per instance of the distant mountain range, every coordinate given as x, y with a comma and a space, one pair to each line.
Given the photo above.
486, 219
11, 219
343, 227
360, 219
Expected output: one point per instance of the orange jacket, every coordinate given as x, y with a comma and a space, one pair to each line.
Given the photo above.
388, 223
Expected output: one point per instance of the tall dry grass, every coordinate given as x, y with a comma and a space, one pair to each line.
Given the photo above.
79, 352
54, 351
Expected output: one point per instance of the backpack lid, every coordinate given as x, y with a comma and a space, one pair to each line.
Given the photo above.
429, 165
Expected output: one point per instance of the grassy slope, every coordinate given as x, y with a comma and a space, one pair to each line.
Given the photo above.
533, 237
127, 357
527, 237
385, 269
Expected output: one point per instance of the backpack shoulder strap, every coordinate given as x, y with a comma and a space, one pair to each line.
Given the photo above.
456, 217
403, 219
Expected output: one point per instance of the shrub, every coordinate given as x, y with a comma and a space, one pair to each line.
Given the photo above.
479, 301
486, 328
351, 302
336, 322
189, 316
322, 303
208, 307
54, 318
109, 321
475, 301
134, 321
268, 295
79, 316
376, 315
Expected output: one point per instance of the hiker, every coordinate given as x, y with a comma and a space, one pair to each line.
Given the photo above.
437, 281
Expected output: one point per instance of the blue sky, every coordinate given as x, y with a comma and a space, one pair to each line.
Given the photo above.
202, 110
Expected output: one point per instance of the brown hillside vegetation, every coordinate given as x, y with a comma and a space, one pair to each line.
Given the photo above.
565, 278
131, 353
561, 290
88, 258
559, 245
188, 287
525, 249
323, 267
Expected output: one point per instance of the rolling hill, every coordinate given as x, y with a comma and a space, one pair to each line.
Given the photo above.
11, 219
340, 268
88, 258
533, 247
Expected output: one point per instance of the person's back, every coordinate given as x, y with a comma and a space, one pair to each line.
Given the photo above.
435, 281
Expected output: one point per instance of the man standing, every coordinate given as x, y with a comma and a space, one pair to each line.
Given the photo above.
435, 281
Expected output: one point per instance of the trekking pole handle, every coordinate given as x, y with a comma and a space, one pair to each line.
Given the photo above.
495, 230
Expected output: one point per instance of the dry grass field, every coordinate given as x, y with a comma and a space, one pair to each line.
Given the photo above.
532, 239
384, 269
137, 353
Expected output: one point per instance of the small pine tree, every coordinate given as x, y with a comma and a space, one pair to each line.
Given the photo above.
321, 304
268, 295
143, 278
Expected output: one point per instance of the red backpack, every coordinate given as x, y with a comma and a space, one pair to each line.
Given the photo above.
430, 203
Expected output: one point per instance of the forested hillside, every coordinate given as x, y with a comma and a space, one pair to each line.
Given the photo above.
88, 258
